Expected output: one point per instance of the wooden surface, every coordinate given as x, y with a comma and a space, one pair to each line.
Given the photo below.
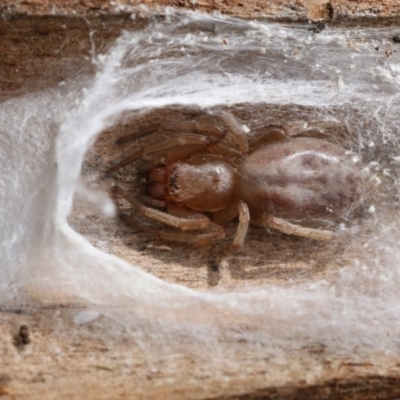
272, 9
81, 362
66, 360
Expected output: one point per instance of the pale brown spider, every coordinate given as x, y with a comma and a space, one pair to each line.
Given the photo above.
281, 179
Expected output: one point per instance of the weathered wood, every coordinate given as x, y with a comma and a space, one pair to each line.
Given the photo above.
273, 9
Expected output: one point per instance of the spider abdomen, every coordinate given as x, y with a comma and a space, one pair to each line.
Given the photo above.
302, 179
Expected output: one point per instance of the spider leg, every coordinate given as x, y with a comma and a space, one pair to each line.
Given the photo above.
181, 211
292, 229
269, 135
190, 222
226, 215
143, 131
146, 200
241, 231
182, 140
182, 152
274, 133
201, 125
225, 150
176, 154
238, 130
215, 232
204, 125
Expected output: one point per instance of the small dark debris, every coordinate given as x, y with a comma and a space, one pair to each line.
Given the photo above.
215, 30
331, 11
396, 39
377, 48
214, 267
316, 348
214, 275
317, 28
21, 338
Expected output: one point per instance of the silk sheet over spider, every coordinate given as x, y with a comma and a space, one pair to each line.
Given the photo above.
284, 179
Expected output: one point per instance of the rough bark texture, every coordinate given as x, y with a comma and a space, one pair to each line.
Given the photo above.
80, 363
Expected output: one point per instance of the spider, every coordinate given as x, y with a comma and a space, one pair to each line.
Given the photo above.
283, 179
